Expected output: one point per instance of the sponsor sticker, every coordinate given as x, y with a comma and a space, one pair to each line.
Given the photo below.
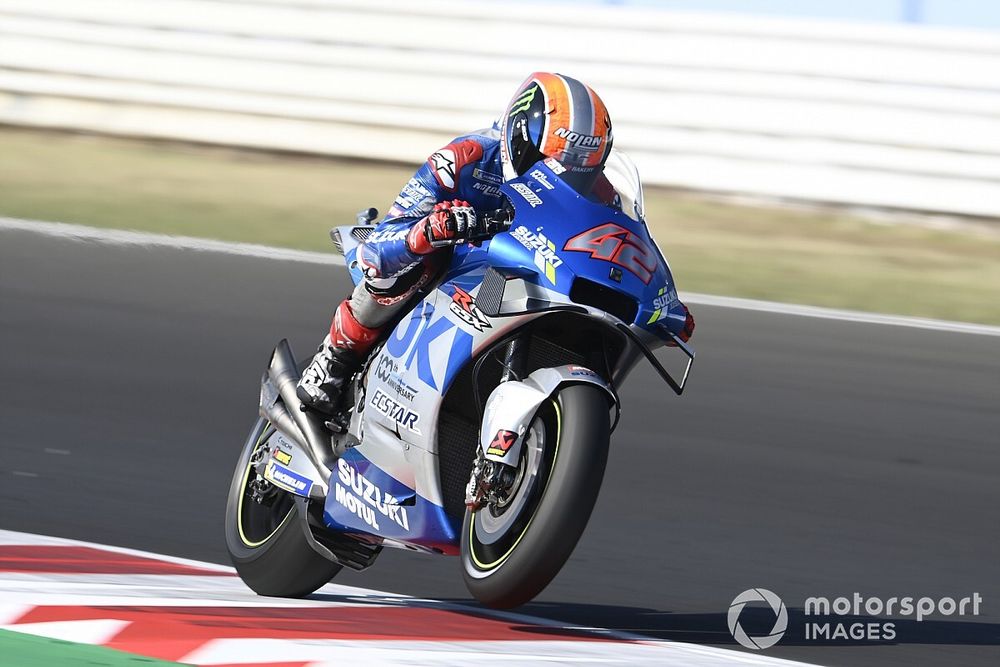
488, 190
523, 101
283, 457
412, 194
555, 165
443, 164
384, 235
387, 371
528, 194
502, 442
665, 299
542, 179
584, 142
397, 412
487, 176
287, 479
365, 500
545, 251
465, 308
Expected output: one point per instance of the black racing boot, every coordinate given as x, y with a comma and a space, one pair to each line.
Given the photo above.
322, 382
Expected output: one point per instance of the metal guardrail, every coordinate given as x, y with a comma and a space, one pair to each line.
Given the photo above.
868, 115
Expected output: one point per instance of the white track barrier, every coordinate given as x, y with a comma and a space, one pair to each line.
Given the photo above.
869, 115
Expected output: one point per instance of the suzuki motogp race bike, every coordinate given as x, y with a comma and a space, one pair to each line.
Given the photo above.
480, 425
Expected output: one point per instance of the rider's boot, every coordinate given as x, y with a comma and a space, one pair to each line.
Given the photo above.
337, 359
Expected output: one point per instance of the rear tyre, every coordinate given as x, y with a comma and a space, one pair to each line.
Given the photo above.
265, 540
510, 554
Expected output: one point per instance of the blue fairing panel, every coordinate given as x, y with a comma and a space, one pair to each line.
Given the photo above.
410, 343
350, 258
364, 498
561, 236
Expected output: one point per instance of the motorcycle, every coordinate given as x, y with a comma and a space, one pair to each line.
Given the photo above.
480, 426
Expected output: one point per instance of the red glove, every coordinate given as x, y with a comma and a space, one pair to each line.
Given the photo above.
688, 330
450, 222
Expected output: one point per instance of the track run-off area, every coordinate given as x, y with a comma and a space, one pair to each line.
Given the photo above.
814, 453
183, 611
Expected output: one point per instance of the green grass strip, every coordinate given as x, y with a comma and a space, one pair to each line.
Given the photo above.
22, 650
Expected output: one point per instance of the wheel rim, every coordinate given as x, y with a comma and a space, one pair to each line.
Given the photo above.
256, 522
493, 537
491, 526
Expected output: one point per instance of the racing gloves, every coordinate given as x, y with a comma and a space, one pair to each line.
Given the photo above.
450, 223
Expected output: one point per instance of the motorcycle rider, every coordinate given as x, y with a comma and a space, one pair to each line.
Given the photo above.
550, 116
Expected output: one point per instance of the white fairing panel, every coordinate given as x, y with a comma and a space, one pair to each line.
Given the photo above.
512, 406
397, 413
421, 357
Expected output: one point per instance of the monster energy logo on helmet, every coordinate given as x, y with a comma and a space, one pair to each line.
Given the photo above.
523, 101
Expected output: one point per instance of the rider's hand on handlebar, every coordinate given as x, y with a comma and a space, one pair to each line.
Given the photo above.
450, 223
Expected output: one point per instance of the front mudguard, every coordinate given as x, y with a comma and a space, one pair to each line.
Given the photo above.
512, 406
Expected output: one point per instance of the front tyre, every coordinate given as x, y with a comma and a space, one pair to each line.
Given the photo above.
511, 552
264, 533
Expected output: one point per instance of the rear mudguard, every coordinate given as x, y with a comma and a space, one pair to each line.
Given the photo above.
512, 406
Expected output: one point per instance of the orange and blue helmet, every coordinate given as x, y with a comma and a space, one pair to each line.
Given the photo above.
556, 116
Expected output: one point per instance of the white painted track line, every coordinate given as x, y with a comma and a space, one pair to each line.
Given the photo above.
141, 598
147, 239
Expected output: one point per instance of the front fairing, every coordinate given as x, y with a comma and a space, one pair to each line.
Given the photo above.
560, 237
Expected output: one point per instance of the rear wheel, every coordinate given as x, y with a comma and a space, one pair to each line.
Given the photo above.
512, 550
264, 533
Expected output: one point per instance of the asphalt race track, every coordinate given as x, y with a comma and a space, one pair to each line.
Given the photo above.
809, 457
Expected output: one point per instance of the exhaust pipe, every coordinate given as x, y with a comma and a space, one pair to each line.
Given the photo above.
302, 427
278, 415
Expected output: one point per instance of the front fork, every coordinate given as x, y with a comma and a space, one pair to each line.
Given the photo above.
491, 480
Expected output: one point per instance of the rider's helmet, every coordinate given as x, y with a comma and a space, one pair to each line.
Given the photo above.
556, 116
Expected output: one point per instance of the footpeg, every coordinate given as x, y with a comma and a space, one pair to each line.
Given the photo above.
339, 423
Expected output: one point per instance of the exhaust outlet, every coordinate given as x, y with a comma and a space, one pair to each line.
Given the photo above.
302, 427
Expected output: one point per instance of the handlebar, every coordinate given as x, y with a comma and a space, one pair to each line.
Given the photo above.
496, 221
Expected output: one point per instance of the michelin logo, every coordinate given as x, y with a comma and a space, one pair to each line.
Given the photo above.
287, 479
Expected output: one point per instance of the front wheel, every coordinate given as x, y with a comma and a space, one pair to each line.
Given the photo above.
264, 534
511, 551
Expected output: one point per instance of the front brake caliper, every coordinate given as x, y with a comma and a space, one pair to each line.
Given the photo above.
489, 481
475, 491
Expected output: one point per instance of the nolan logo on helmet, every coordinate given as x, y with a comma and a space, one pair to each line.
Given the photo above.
583, 141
